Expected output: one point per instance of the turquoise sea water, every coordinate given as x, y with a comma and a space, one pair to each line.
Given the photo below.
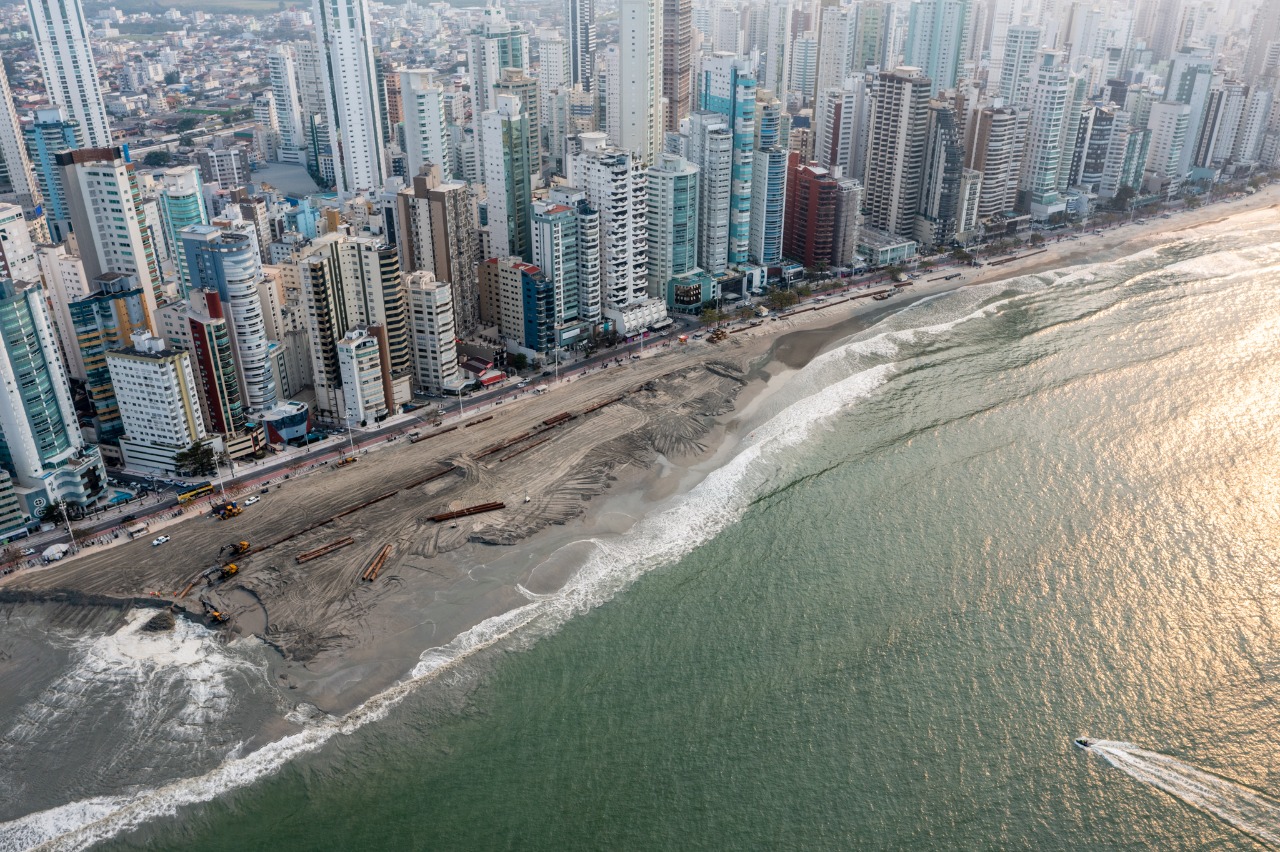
1000, 519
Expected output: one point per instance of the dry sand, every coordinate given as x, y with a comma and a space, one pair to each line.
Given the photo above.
669, 418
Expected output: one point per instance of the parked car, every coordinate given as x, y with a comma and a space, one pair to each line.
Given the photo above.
254, 499
28, 551
159, 541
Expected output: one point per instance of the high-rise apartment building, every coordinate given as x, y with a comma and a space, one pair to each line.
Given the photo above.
896, 149
508, 163
111, 227
708, 144
938, 212
1022, 43
496, 44
432, 330
46, 137
61, 37
936, 40
181, 204
228, 263
16, 176
566, 247
837, 47
635, 110
17, 250
101, 322
677, 61
727, 86
40, 441
996, 139
812, 202
1050, 93
672, 219
159, 403
580, 22
345, 38
614, 184
282, 72
840, 118
426, 137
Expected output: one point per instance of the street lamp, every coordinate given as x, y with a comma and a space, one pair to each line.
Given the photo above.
350, 440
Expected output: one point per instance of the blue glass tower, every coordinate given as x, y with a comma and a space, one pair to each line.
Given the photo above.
729, 88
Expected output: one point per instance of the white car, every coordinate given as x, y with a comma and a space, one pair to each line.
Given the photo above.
254, 499
159, 541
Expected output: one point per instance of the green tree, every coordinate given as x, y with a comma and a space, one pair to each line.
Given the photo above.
745, 312
196, 460
172, 77
961, 256
158, 158
710, 316
520, 361
780, 299
54, 513
1036, 239
186, 123
1123, 198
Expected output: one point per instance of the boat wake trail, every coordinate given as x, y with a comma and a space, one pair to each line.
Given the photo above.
1242, 807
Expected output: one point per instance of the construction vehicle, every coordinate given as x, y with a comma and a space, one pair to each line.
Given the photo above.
227, 510
235, 548
718, 335
215, 615
227, 571
348, 460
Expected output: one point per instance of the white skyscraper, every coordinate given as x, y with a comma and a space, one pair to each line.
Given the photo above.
355, 126
836, 46
840, 118
635, 116
70, 74
614, 184
1020, 47
936, 39
1049, 94
15, 168
284, 87
672, 219
775, 71
496, 44
99, 179
159, 402
708, 144
432, 328
508, 177
425, 138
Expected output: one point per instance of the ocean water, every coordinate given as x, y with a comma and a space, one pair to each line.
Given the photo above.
1000, 519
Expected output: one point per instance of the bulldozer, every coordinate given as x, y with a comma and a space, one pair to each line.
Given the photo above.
227, 510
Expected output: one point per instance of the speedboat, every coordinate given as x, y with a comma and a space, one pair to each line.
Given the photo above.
1083, 742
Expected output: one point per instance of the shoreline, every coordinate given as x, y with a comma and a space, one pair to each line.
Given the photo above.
447, 580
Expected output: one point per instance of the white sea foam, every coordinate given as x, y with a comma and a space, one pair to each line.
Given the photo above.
1246, 809
833, 382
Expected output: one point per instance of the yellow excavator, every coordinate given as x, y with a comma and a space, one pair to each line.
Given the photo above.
235, 548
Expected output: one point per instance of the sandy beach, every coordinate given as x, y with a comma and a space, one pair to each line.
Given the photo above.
635, 435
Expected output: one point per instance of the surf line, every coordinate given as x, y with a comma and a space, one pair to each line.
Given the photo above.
1241, 807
